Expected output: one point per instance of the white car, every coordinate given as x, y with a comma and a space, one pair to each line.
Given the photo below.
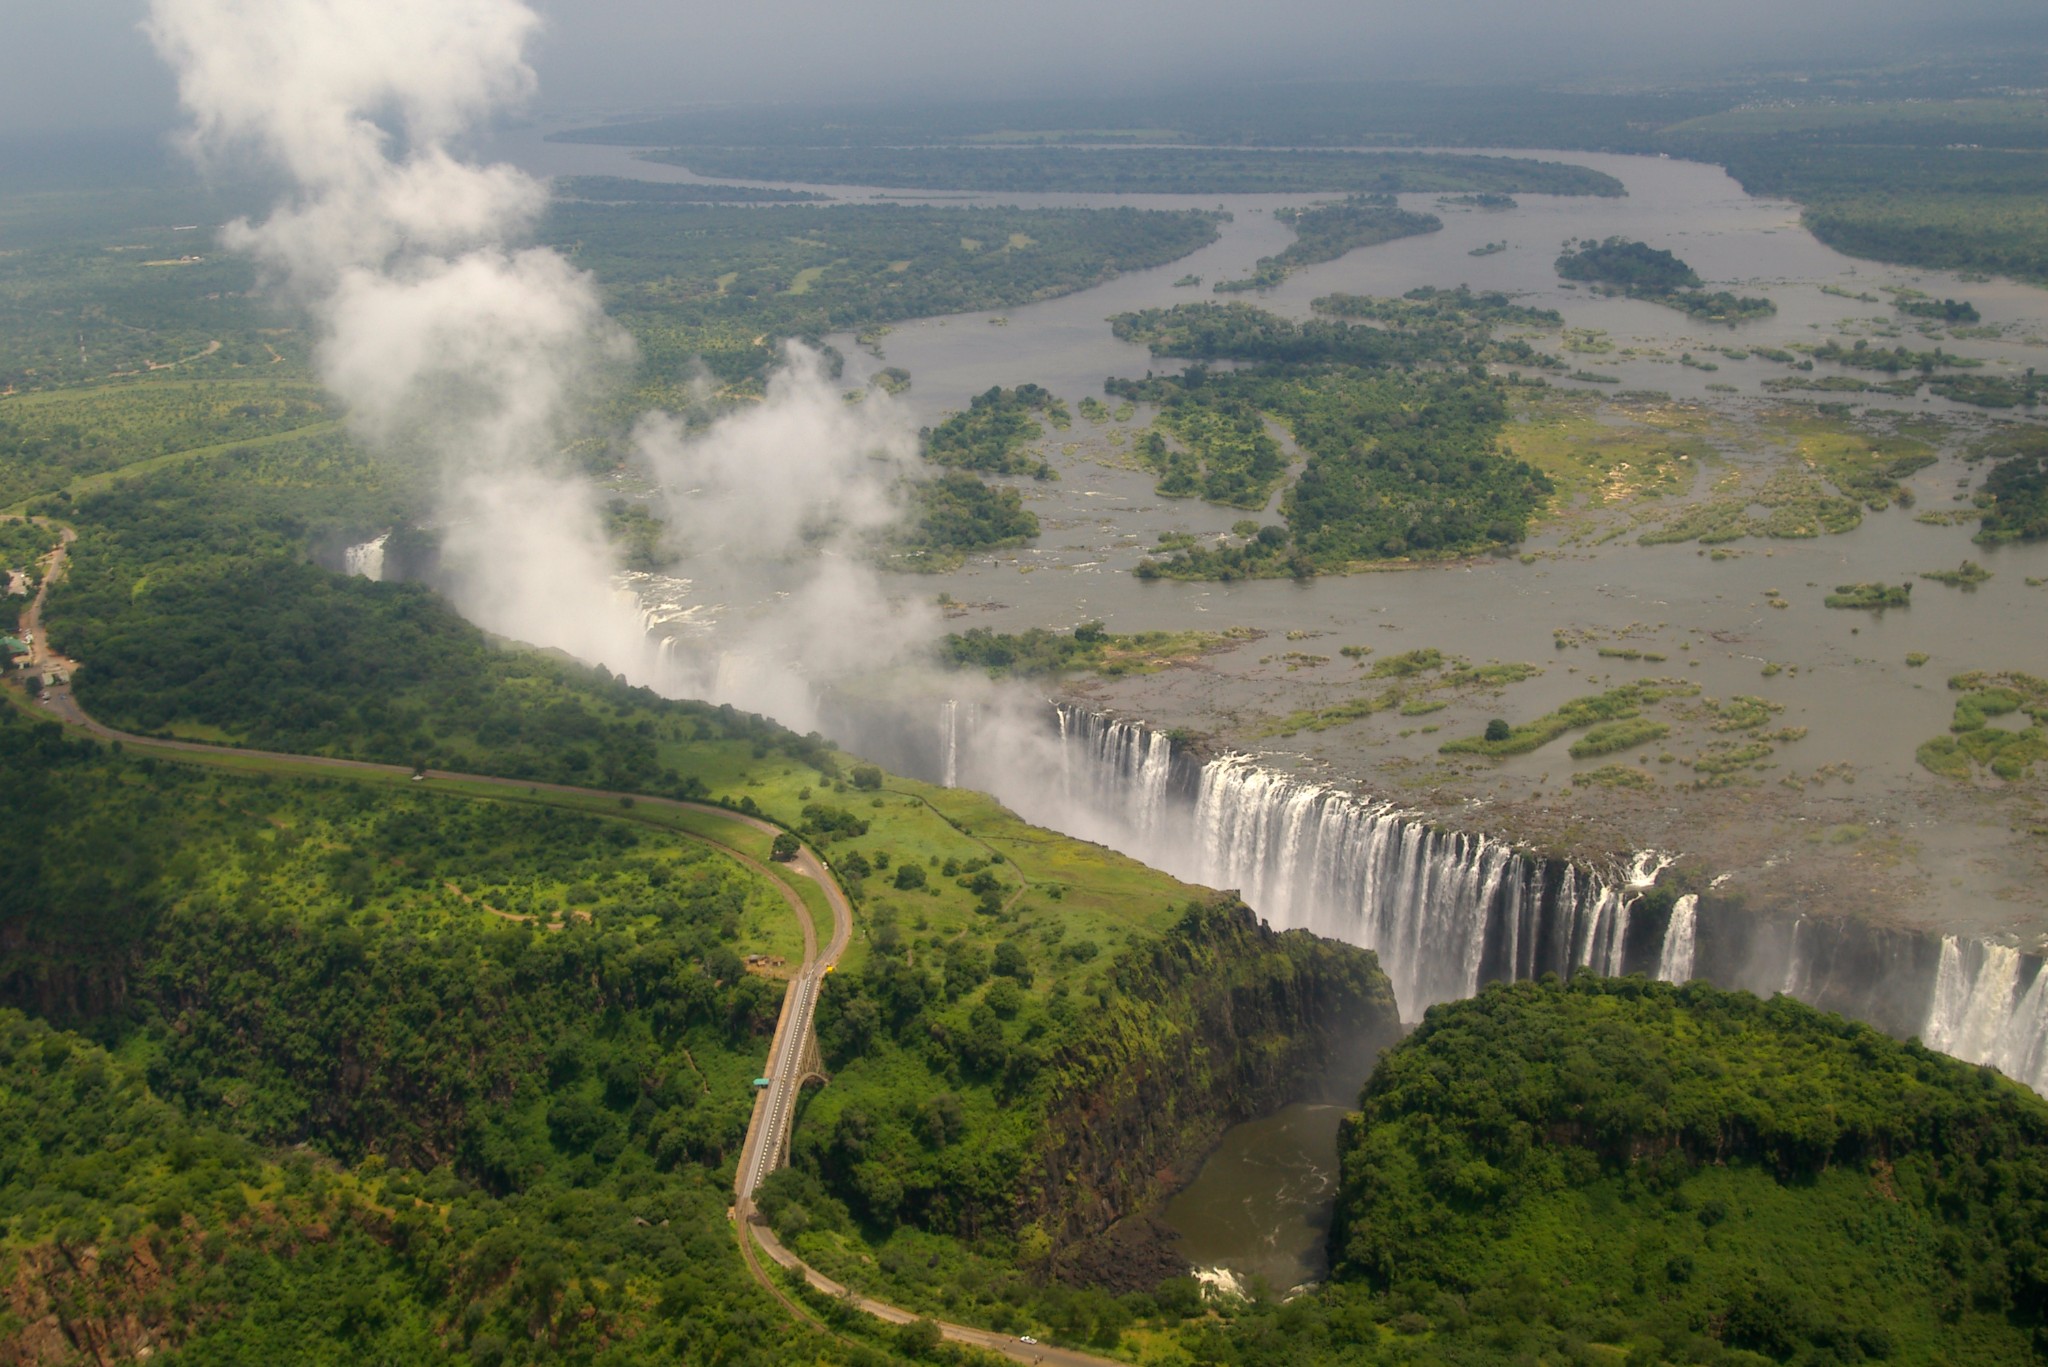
1026, 1338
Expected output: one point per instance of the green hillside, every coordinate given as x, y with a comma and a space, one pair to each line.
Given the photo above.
1690, 1175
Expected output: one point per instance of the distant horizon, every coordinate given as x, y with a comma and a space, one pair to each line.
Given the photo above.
87, 67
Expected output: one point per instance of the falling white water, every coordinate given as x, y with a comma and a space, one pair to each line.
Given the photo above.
951, 776
1644, 868
1795, 984
1981, 1014
366, 558
1674, 965
1444, 910
2021, 1049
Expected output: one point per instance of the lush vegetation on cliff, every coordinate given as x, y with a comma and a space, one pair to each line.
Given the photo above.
392, 1075
1014, 1087
1693, 1175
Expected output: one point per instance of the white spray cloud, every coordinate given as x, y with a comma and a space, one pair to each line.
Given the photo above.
778, 505
438, 335
804, 467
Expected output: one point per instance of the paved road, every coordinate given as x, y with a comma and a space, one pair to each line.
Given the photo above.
774, 1106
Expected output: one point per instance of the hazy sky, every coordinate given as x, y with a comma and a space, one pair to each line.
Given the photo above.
83, 63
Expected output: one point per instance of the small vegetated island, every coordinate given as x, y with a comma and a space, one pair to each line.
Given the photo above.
1978, 741
1644, 272
958, 513
1395, 414
1039, 653
2014, 497
991, 433
1327, 231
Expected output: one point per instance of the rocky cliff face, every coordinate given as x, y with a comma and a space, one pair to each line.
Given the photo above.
1220, 1021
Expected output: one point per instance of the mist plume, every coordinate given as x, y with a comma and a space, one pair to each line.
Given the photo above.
440, 334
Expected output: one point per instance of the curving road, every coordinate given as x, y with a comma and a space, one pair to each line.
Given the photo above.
768, 1133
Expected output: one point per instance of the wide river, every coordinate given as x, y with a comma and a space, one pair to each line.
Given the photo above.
1873, 834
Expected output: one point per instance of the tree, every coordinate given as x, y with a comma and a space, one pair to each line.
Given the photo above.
866, 777
919, 1338
1010, 962
1498, 729
786, 847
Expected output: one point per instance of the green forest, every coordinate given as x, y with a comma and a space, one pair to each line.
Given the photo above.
1951, 183
93, 288
1911, 162
726, 285
367, 1074
1692, 1175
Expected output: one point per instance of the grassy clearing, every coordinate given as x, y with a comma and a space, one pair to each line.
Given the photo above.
81, 440
1863, 464
1607, 458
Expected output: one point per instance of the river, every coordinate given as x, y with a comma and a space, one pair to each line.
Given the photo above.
1844, 824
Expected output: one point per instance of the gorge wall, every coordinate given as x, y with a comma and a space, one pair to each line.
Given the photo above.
1221, 1020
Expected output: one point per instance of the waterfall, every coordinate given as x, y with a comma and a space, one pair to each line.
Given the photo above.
1445, 910
1674, 965
1980, 1012
2021, 1049
951, 777
1795, 984
366, 558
